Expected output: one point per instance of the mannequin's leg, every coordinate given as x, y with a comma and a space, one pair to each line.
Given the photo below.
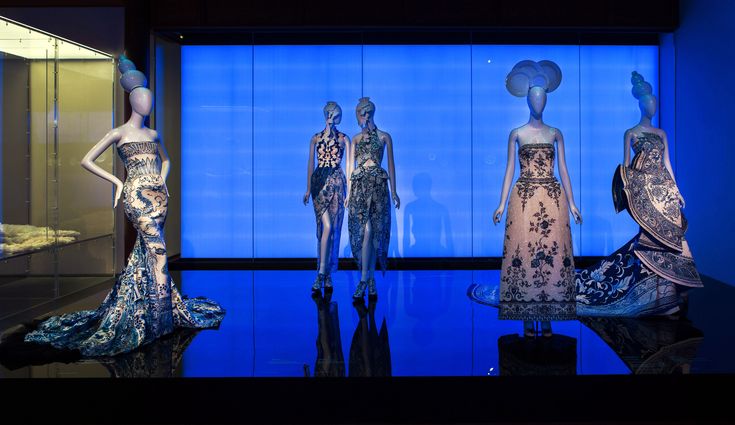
367, 248
373, 260
325, 244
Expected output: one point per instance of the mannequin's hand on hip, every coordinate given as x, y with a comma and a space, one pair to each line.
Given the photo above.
118, 194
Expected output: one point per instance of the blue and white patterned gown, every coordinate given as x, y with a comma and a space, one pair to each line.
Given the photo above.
144, 304
328, 185
369, 199
643, 277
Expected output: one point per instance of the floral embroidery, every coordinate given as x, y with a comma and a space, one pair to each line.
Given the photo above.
537, 276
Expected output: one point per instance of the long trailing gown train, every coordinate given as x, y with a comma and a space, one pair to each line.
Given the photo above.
144, 304
328, 186
645, 276
537, 272
369, 199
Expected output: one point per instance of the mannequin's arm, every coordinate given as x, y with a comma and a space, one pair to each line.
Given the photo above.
564, 174
667, 164
165, 164
348, 149
667, 160
309, 170
626, 148
165, 160
350, 166
510, 169
392, 170
89, 164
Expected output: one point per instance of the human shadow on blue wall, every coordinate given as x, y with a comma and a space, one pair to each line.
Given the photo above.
427, 230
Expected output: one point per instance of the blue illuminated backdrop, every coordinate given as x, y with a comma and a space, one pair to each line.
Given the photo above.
248, 114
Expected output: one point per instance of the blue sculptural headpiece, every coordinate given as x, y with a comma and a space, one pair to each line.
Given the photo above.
527, 74
131, 78
641, 87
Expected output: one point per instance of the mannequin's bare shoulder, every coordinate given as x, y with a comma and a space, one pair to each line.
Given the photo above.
385, 136
513, 136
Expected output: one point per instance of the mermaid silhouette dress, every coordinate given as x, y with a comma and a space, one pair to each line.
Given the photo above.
643, 277
369, 199
328, 186
537, 272
144, 304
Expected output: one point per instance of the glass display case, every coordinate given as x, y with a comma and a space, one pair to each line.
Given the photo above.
57, 222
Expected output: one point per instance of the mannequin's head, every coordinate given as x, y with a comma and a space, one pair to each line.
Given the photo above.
536, 100
141, 100
643, 91
365, 112
332, 113
134, 82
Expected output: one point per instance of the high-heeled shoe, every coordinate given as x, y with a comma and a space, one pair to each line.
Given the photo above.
372, 290
529, 329
328, 283
318, 282
360, 290
546, 328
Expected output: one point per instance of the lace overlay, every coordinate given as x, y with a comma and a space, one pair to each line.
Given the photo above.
536, 277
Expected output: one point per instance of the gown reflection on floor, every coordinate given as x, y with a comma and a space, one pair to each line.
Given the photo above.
275, 329
521, 356
158, 359
649, 346
369, 349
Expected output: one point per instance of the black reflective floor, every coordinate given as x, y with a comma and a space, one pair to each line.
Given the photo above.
422, 325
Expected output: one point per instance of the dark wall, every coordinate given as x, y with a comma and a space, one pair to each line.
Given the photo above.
15, 141
705, 157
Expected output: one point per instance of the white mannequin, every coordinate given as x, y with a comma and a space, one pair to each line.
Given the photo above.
332, 117
365, 119
647, 104
536, 131
134, 130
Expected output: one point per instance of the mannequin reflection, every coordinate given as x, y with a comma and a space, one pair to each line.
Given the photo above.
326, 185
650, 346
538, 267
143, 305
367, 197
370, 348
523, 356
329, 358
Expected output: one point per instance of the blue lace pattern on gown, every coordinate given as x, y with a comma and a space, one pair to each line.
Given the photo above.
643, 277
144, 304
369, 199
328, 186
537, 272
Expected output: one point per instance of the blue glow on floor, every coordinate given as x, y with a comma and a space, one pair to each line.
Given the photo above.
433, 329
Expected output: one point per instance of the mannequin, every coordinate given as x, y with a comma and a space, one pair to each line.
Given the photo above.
536, 278
367, 197
144, 304
651, 273
326, 185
